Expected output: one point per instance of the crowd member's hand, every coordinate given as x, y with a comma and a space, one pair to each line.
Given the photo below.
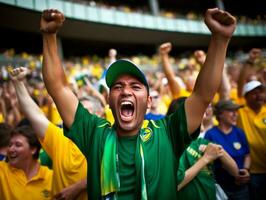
51, 21
18, 74
243, 177
71, 192
220, 23
68, 193
165, 48
200, 56
211, 152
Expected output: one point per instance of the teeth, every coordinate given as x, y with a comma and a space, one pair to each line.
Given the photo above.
13, 156
126, 103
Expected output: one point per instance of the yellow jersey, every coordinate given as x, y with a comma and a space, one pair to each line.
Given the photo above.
69, 164
14, 183
254, 126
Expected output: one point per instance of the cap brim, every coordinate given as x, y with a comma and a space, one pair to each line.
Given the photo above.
234, 107
121, 67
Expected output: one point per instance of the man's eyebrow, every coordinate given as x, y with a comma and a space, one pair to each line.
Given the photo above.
118, 83
133, 82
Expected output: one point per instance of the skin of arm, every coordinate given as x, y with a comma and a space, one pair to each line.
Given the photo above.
164, 50
244, 73
2, 103
244, 176
222, 25
248, 70
28, 106
247, 162
71, 192
228, 163
225, 87
91, 90
52, 70
211, 153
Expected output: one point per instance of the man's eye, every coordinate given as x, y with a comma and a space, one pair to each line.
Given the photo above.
117, 87
136, 87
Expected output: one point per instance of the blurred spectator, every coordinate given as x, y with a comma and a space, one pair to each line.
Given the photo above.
252, 121
69, 173
234, 141
153, 113
23, 176
5, 131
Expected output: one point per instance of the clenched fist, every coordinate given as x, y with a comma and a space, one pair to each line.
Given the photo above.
51, 21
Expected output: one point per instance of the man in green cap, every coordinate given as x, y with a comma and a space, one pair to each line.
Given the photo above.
133, 159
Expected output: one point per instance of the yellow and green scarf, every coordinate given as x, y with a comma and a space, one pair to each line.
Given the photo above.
110, 182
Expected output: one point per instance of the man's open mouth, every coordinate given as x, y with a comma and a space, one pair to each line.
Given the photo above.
127, 110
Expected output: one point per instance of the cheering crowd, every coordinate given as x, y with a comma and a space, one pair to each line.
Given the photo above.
116, 132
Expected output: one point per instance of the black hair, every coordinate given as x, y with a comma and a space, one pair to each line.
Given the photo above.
5, 133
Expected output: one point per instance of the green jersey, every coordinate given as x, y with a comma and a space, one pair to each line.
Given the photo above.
202, 187
163, 143
45, 160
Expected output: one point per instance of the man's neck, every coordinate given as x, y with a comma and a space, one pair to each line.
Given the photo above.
255, 107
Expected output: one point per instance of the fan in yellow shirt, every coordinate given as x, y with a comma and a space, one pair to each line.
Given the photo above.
23, 176
252, 119
69, 179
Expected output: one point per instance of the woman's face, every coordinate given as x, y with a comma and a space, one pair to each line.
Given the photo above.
19, 151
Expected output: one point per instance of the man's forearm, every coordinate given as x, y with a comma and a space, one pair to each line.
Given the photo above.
168, 70
53, 73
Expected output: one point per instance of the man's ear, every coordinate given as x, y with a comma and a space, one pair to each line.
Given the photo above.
149, 102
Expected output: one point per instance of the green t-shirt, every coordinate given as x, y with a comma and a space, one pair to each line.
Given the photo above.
45, 160
202, 187
164, 142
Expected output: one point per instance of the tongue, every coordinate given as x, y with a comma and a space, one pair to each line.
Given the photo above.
127, 112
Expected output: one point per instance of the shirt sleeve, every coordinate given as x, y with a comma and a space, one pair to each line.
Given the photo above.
177, 130
83, 128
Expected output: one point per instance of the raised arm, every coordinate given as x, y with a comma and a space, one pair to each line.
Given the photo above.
164, 50
211, 153
248, 70
52, 70
225, 87
28, 106
222, 25
92, 91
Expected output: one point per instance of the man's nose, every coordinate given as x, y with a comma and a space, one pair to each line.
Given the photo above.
126, 90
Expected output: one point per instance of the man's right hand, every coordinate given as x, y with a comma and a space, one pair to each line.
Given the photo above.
51, 21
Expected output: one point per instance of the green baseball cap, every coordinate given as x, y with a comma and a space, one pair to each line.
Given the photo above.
121, 67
